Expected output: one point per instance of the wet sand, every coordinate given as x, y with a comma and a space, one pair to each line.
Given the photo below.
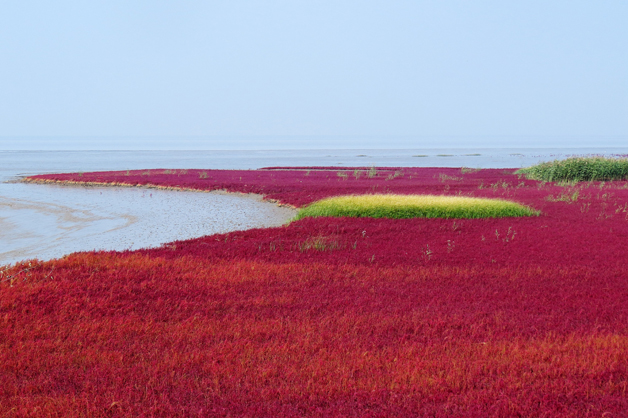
60, 219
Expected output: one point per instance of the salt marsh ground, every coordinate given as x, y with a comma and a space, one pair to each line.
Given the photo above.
335, 316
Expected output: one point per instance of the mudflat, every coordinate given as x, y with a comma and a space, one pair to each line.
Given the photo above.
81, 218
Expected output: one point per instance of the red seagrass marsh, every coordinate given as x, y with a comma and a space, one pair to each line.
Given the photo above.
334, 316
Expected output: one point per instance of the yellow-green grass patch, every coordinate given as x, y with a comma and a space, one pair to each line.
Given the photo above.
414, 206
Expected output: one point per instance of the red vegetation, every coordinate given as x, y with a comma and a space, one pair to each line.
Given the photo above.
334, 317
295, 186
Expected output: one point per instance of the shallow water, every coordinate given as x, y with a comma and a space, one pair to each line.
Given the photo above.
48, 221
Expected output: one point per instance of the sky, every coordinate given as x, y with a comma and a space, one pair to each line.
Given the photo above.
312, 73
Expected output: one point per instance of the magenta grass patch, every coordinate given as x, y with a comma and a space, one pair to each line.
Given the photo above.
334, 317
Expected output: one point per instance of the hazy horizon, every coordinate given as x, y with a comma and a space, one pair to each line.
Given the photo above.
305, 142
279, 74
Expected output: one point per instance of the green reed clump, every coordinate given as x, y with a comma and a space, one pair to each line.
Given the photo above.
579, 169
414, 206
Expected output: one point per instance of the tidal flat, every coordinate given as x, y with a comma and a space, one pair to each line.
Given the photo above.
62, 219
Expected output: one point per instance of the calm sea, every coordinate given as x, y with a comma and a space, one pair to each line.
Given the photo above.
40, 221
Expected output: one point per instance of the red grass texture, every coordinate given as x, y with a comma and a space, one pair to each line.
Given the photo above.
510, 317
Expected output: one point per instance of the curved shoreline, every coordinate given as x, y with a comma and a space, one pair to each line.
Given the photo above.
86, 217
256, 196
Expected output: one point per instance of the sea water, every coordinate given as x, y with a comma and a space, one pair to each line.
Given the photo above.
49, 221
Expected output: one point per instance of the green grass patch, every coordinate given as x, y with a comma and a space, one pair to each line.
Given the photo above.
414, 206
579, 169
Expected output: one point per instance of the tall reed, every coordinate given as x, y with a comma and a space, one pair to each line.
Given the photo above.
579, 169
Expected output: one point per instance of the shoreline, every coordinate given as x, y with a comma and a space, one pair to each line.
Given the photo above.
111, 217
74, 183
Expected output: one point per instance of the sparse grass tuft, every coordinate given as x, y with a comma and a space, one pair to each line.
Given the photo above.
579, 169
444, 177
319, 243
564, 197
392, 176
414, 206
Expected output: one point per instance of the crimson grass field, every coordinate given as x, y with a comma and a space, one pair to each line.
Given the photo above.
524, 316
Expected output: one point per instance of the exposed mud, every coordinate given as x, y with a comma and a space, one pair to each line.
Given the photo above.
62, 219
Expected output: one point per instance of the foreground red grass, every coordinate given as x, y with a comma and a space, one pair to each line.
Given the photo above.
337, 317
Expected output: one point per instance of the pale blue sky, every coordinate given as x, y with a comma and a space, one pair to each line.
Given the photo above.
487, 73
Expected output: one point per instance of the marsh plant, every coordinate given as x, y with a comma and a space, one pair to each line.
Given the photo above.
509, 236
392, 176
414, 206
426, 253
354, 316
320, 243
579, 169
444, 177
564, 197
